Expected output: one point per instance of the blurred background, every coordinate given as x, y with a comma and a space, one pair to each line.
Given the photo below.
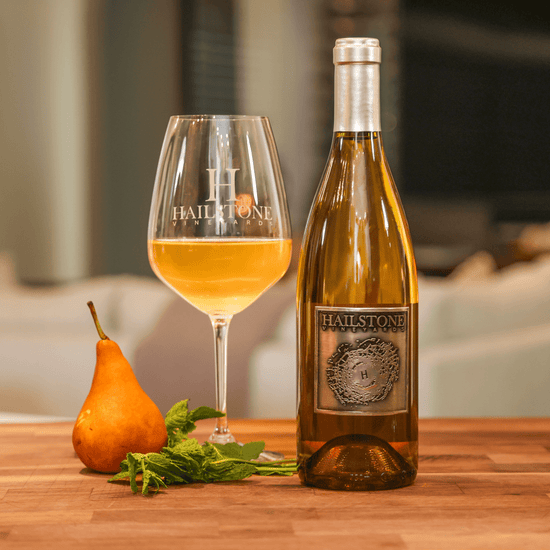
87, 87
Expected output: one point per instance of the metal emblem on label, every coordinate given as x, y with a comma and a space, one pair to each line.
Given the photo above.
361, 364
364, 374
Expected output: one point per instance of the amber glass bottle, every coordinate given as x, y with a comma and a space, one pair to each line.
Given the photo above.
357, 300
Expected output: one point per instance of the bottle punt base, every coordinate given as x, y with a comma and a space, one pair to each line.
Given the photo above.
357, 462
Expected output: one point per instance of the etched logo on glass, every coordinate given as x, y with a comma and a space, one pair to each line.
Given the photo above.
228, 208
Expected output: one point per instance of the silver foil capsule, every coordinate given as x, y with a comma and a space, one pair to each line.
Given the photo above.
357, 85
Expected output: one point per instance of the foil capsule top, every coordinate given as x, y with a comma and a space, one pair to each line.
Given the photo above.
357, 50
357, 85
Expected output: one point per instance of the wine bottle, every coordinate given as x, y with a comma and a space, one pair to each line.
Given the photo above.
357, 302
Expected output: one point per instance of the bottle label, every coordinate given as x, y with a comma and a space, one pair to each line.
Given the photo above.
361, 360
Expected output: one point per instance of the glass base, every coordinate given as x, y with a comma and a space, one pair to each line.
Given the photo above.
270, 456
222, 437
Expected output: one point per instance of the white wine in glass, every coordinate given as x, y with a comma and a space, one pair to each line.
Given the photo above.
221, 276
219, 229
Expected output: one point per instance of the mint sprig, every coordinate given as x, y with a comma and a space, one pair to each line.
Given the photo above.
180, 422
184, 460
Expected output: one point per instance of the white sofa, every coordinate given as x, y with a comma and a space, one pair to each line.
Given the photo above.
47, 337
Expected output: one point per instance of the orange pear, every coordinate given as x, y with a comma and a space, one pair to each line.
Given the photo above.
118, 416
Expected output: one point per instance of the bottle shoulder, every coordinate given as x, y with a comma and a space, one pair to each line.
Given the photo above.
357, 233
357, 196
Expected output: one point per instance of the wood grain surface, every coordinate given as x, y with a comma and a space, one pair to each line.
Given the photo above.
482, 484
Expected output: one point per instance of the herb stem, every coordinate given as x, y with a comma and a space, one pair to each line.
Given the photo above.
288, 462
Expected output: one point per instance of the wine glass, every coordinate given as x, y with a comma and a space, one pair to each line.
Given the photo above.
219, 230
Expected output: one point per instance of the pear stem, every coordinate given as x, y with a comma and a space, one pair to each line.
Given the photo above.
102, 335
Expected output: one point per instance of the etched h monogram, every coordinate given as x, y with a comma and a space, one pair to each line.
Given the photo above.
215, 184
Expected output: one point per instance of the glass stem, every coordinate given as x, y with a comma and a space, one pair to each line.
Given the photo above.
221, 325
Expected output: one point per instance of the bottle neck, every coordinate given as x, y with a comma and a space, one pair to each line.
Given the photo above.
357, 97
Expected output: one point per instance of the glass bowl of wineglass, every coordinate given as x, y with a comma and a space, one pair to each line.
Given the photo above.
219, 229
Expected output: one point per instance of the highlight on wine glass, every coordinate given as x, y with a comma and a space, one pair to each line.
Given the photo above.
219, 230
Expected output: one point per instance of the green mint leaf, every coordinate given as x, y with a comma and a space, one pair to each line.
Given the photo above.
147, 475
164, 468
235, 472
174, 420
134, 468
249, 451
180, 421
202, 413
221, 467
288, 469
188, 456
121, 475
150, 477
228, 450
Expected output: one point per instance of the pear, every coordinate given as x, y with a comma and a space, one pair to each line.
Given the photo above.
118, 416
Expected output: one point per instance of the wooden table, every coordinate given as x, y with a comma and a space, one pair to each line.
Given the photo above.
483, 484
